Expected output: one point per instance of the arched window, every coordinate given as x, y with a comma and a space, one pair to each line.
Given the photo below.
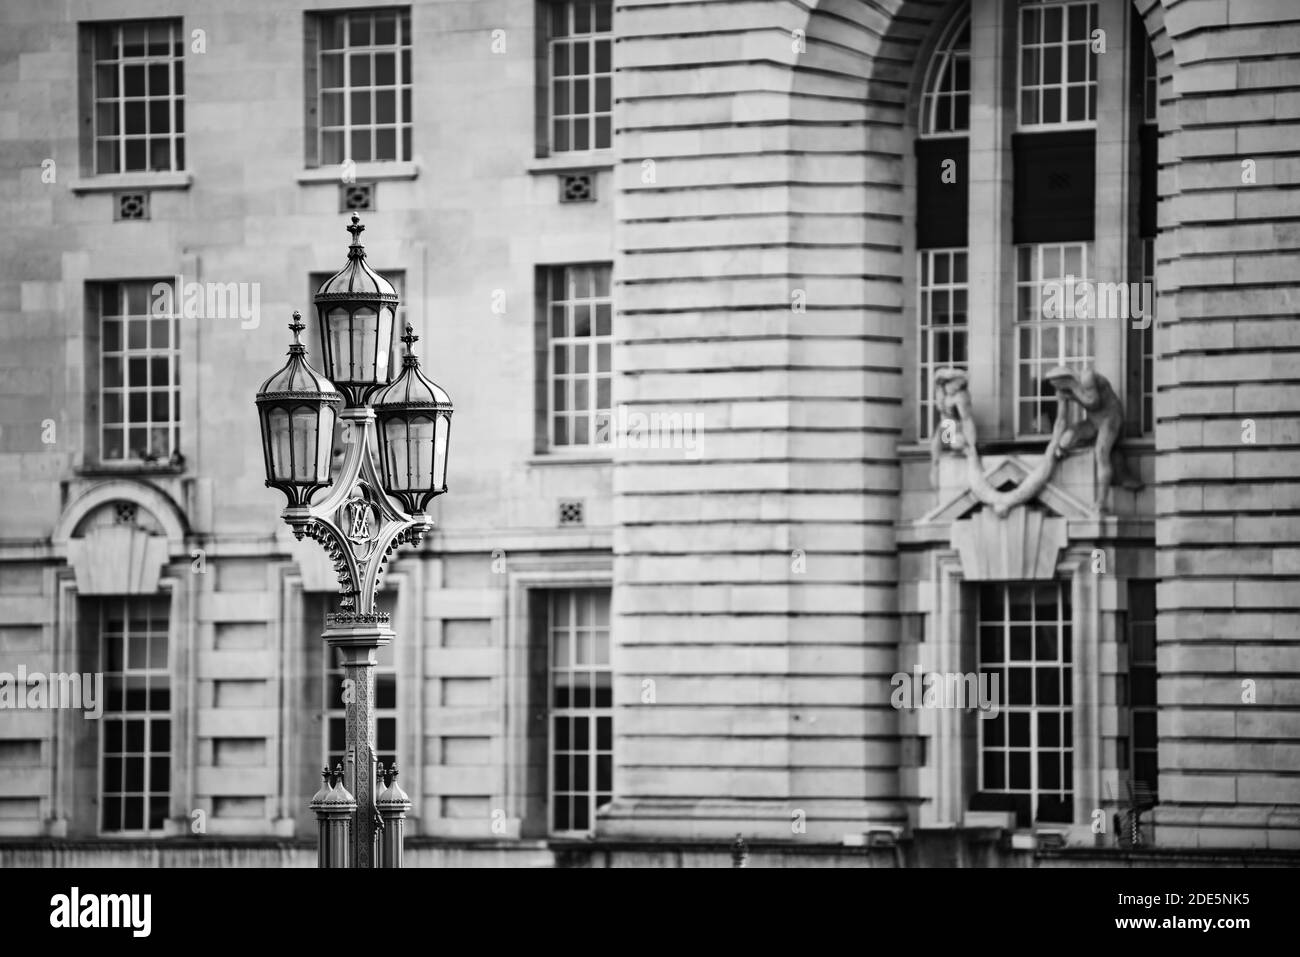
1034, 240
945, 104
1141, 345
941, 214
1011, 227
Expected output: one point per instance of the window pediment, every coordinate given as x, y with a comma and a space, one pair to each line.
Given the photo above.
1001, 473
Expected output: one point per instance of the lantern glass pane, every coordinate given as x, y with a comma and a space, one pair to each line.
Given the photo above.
420, 453
394, 441
365, 333
384, 354
338, 349
440, 452
325, 444
304, 443
277, 441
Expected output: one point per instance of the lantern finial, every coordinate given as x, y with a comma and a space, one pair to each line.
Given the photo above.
297, 327
356, 250
410, 339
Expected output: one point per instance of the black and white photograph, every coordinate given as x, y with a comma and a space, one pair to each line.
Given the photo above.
652, 434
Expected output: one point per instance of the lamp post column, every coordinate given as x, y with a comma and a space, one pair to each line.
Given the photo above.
357, 644
356, 520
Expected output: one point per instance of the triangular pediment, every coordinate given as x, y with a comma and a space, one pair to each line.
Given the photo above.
1010, 471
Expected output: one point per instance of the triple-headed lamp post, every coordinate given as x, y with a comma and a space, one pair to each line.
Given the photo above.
403, 423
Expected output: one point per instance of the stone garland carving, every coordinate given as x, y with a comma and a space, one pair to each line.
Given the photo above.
1101, 428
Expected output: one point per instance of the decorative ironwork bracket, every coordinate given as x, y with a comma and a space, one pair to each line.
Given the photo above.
356, 523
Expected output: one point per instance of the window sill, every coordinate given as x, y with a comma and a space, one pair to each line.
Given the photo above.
364, 173
1031, 441
571, 162
995, 446
571, 458
1021, 443
1062, 126
112, 182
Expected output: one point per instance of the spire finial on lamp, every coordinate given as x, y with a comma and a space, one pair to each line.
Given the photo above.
410, 339
297, 347
356, 229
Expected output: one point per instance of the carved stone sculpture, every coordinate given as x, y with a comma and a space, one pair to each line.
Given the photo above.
955, 429
955, 432
1101, 428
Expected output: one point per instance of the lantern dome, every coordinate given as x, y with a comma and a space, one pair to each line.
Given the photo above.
356, 309
412, 388
356, 280
297, 375
392, 797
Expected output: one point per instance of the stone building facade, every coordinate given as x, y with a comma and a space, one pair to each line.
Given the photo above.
740, 241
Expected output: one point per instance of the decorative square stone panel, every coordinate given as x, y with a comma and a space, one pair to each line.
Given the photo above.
578, 187
131, 205
356, 197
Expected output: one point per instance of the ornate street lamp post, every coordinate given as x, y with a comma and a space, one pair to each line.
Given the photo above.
356, 520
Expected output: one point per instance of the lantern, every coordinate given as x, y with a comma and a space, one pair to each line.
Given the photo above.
297, 407
355, 310
413, 418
